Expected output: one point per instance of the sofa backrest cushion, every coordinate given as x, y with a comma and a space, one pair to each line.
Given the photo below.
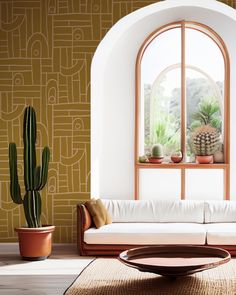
220, 211
155, 210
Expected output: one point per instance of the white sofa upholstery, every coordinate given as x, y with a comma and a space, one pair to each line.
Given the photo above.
220, 211
221, 233
155, 211
147, 233
147, 222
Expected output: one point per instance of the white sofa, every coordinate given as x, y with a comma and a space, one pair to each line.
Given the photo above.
146, 222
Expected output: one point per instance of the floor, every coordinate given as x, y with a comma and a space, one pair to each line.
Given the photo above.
49, 277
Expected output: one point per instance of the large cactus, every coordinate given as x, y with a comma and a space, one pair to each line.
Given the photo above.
35, 177
205, 140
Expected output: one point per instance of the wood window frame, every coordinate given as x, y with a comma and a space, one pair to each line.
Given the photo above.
183, 166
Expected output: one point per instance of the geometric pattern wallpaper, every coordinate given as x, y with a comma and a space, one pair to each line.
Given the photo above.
46, 48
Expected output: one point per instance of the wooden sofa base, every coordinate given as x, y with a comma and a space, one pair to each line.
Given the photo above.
84, 222
115, 250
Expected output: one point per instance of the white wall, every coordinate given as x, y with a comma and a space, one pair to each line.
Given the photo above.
113, 89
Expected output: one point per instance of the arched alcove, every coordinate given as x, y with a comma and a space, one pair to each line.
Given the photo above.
113, 88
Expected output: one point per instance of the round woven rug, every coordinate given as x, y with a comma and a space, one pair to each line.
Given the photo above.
107, 276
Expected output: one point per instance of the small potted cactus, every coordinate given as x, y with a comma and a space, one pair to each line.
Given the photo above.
35, 239
204, 142
157, 154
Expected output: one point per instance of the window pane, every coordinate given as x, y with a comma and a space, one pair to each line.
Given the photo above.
204, 184
160, 93
204, 84
203, 52
155, 184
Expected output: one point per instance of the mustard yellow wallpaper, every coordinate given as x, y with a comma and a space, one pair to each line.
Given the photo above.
46, 48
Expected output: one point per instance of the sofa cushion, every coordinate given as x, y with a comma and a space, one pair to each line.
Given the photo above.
98, 211
221, 233
155, 210
147, 233
220, 211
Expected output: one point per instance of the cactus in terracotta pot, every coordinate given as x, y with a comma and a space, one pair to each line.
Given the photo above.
35, 241
35, 177
157, 154
205, 142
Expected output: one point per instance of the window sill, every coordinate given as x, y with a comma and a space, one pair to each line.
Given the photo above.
166, 165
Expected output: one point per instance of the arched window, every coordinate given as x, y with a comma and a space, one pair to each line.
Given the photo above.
182, 83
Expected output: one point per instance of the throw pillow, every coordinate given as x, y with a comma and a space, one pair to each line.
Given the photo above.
98, 212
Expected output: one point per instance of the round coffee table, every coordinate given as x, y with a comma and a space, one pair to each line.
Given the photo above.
174, 261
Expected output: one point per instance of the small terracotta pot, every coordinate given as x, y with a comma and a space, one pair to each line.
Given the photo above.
204, 159
176, 159
35, 243
155, 160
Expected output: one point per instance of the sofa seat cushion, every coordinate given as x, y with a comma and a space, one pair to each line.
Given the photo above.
221, 233
147, 233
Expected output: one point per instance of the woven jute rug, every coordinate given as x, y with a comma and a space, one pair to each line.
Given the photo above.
107, 276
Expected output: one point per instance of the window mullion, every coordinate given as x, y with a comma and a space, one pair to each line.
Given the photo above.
183, 108
183, 92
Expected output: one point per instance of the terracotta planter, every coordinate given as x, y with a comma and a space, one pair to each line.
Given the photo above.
35, 243
204, 159
155, 160
176, 159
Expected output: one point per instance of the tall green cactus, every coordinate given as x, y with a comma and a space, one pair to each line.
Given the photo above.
35, 177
